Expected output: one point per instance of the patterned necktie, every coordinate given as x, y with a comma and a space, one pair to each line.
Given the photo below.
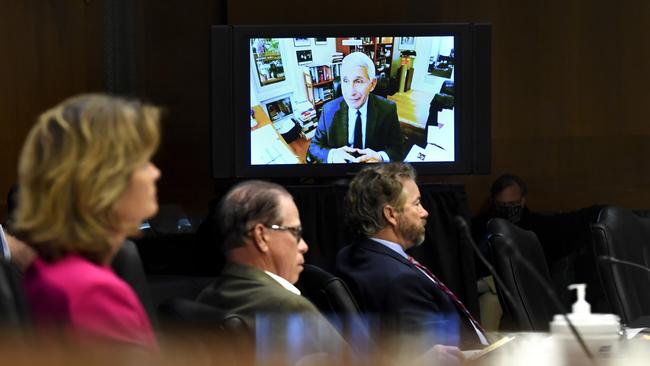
450, 294
358, 139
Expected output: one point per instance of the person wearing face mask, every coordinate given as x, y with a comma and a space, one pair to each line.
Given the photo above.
561, 234
557, 232
508, 194
507, 201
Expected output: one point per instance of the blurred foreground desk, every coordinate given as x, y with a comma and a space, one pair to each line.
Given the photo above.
542, 349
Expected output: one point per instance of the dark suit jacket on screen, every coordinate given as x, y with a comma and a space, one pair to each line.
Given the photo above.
269, 308
383, 131
402, 298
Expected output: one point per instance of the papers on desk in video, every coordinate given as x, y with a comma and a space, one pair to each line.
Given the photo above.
440, 145
439, 148
267, 147
430, 153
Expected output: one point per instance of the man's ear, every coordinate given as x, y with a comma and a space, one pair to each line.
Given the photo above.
373, 84
523, 201
259, 237
390, 215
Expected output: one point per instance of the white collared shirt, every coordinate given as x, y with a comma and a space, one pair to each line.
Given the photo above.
284, 283
352, 120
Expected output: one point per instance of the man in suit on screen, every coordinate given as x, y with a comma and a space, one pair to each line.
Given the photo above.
359, 126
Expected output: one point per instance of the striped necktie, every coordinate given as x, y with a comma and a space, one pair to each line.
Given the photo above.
452, 296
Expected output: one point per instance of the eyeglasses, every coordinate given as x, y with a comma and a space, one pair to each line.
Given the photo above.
296, 231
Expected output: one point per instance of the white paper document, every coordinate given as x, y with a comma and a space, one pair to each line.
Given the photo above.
267, 147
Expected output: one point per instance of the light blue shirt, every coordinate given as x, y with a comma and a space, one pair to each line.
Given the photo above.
392, 246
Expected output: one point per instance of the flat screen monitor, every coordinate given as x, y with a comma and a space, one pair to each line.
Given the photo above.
324, 100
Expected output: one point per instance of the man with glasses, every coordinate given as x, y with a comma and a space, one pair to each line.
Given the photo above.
264, 248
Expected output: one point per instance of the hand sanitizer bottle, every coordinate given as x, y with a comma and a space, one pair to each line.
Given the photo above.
601, 332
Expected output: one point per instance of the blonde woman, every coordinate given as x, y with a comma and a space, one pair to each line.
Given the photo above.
86, 183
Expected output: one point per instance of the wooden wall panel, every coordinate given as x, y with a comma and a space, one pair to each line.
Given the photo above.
569, 91
174, 72
569, 84
50, 50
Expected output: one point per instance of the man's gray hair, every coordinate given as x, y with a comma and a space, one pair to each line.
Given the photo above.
360, 59
245, 205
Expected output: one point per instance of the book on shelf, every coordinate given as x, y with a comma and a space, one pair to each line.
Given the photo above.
324, 73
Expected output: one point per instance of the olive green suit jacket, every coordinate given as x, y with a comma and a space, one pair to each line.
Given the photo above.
278, 317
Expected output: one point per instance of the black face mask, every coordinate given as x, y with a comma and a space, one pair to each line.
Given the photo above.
509, 211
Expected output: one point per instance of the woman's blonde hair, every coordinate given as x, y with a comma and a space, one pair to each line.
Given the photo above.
75, 164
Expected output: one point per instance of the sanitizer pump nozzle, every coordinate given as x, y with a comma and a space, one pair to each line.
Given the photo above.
580, 307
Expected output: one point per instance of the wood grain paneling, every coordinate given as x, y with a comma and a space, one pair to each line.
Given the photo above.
569, 84
569, 91
174, 72
50, 51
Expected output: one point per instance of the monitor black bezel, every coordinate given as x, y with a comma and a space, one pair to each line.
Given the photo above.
464, 133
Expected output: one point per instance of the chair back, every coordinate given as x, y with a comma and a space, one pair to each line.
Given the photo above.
328, 292
531, 310
181, 312
333, 299
13, 305
619, 233
128, 266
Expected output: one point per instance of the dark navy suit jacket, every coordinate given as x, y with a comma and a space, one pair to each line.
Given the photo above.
399, 298
383, 131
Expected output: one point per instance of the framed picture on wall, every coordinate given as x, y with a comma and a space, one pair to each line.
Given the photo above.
407, 43
268, 60
304, 57
301, 42
320, 40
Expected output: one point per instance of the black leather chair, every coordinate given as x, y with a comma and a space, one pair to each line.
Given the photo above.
180, 312
531, 309
442, 100
328, 292
13, 306
619, 233
333, 298
128, 266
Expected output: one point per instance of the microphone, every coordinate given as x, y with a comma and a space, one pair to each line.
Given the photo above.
516, 255
462, 226
612, 260
514, 252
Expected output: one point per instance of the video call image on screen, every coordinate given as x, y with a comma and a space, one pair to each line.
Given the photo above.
352, 100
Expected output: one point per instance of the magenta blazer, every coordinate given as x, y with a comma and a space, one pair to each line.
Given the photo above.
87, 299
